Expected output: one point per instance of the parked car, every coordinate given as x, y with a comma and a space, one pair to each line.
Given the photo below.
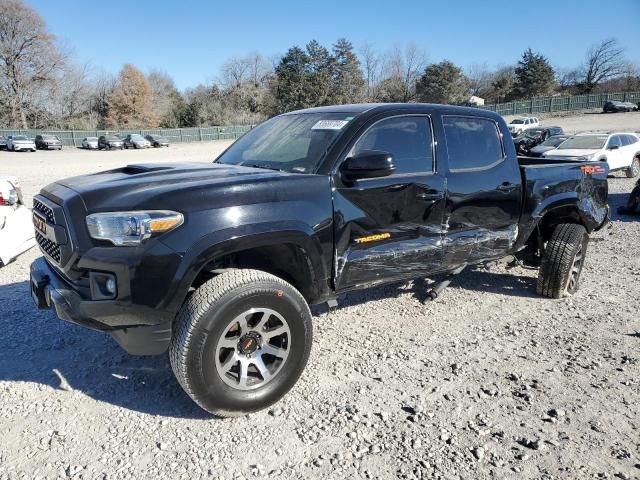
16, 229
16, 143
48, 142
219, 262
534, 136
613, 106
157, 140
90, 143
135, 141
620, 150
107, 142
519, 125
549, 144
3, 143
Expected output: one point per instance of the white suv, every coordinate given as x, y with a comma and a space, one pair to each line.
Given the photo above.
519, 125
15, 143
620, 150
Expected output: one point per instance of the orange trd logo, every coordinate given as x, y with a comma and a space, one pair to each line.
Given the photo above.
592, 168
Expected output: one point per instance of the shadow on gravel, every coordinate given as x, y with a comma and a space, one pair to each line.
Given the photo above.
619, 200
472, 278
36, 347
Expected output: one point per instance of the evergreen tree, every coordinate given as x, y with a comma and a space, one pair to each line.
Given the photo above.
348, 82
443, 83
291, 76
534, 76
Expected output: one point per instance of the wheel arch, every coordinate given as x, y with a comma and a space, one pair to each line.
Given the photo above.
294, 256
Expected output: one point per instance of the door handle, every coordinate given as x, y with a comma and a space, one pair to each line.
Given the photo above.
506, 187
430, 197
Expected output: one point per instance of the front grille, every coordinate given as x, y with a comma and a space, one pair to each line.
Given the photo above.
47, 246
43, 209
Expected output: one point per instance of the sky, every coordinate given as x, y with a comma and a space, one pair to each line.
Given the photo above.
191, 39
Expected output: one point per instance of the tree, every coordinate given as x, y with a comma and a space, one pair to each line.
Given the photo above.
603, 62
443, 83
502, 84
402, 69
29, 58
130, 103
167, 103
348, 82
534, 76
371, 65
480, 78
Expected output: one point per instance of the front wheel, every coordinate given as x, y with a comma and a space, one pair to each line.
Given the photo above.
240, 342
562, 261
634, 169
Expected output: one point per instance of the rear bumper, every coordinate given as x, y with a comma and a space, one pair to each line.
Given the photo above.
130, 325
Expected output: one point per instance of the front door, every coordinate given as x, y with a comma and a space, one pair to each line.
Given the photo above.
391, 227
484, 191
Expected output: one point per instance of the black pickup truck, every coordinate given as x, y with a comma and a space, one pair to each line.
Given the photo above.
219, 262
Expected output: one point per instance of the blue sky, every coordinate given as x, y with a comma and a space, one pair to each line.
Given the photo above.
191, 39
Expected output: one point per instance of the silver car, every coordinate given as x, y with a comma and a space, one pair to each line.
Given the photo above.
16, 143
90, 143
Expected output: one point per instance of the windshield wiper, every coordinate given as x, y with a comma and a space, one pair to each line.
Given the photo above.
265, 166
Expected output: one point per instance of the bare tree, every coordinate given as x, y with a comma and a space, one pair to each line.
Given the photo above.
29, 58
603, 62
480, 78
402, 69
371, 62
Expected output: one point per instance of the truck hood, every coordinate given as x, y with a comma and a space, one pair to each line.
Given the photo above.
183, 187
572, 152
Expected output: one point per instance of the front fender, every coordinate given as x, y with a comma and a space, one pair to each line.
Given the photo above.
235, 239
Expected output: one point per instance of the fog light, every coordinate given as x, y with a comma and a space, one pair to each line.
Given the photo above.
111, 285
103, 286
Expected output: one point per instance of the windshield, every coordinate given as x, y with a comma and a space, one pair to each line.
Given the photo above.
553, 141
49, 137
584, 142
20, 137
113, 138
92, 139
293, 143
517, 121
136, 137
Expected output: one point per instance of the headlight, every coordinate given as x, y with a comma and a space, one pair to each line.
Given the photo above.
131, 228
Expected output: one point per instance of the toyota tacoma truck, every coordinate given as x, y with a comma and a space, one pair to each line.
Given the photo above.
218, 263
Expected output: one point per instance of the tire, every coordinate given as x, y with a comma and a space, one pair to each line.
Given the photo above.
208, 368
562, 261
634, 170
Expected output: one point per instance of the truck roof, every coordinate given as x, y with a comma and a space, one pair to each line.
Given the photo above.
359, 108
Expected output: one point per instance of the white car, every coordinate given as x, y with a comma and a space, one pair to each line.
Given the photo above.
15, 143
90, 143
16, 227
519, 125
621, 150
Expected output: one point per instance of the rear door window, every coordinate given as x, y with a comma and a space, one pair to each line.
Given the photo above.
472, 143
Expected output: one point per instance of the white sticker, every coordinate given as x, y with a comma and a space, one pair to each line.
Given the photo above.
329, 124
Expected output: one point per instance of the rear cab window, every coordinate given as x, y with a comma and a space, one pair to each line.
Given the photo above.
473, 143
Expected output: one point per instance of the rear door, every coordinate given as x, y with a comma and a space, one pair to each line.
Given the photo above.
391, 227
484, 190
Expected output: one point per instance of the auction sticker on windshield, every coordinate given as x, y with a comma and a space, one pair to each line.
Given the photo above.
329, 124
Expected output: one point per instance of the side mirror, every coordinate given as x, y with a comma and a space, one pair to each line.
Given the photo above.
614, 147
367, 164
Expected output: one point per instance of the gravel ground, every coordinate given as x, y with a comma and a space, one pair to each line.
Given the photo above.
489, 381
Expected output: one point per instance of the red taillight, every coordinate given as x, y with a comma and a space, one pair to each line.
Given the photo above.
592, 169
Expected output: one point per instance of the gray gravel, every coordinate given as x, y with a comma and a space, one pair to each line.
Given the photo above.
489, 381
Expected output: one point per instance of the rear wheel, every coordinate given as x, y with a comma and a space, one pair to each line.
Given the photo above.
634, 169
240, 342
562, 261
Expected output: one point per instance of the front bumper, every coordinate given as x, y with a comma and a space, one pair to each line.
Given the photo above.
23, 147
130, 325
52, 147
